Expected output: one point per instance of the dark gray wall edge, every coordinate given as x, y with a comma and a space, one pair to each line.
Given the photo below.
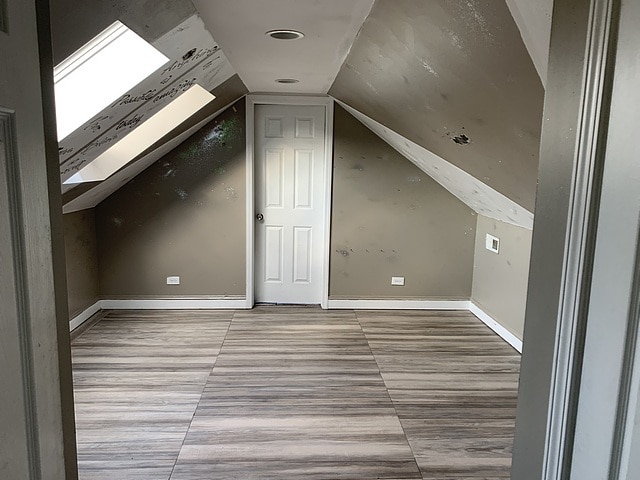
477, 195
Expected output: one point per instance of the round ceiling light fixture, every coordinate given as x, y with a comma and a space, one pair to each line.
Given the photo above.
287, 80
281, 34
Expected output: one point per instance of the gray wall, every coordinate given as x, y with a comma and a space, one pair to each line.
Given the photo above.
500, 280
433, 70
391, 219
81, 253
184, 215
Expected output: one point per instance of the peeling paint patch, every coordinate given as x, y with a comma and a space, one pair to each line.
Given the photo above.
373, 89
430, 69
461, 139
231, 193
169, 173
224, 133
456, 41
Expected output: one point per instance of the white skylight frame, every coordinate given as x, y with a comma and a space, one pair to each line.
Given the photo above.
144, 135
99, 73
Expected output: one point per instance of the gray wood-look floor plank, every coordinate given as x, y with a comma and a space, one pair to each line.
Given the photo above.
454, 386
138, 378
293, 392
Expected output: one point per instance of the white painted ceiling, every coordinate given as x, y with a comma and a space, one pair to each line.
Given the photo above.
330, 27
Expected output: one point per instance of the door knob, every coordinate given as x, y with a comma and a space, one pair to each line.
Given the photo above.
260, 217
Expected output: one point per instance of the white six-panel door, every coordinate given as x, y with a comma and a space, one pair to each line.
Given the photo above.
289, 203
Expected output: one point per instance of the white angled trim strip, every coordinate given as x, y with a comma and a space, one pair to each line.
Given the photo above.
477, 195
84, 316
505, 334
174, 304
399, 304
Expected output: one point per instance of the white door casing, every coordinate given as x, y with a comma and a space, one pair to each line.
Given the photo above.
290, 170
36, 400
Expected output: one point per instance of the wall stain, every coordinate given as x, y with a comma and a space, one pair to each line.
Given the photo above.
231, 193
461, 139
171, 172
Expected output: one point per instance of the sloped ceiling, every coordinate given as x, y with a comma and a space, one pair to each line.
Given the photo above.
455, 78
173, 27
74, 23
194, 58
452, 78
472, 192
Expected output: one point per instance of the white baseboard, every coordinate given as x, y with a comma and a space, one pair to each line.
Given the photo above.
176, 304
398, 304
84, 316
241, 303
159, 304
505, 334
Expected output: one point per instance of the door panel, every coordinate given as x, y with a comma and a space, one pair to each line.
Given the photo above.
274, 178
304, 179
302, 254
290, 188
273, 254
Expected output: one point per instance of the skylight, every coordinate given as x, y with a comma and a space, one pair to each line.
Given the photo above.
99, 73
144, 136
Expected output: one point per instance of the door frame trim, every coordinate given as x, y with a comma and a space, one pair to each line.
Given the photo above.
293, 100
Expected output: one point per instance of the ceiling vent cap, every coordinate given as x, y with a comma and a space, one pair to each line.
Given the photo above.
283, 34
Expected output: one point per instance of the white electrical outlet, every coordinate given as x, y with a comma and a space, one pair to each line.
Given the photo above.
399, 281
174, 280
492, 243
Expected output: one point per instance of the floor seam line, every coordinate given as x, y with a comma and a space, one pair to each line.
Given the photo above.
175, 463
386, 389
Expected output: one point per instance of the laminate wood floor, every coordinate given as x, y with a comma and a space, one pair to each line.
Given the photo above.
293, 392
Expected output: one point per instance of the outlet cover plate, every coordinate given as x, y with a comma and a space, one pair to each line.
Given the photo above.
173, 280
398, 281
492, 243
